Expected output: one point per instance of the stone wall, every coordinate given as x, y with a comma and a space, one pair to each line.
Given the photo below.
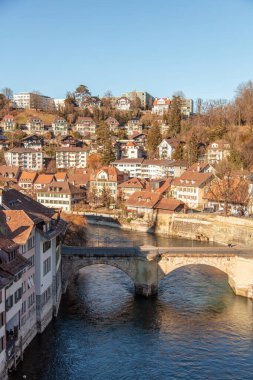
207, 227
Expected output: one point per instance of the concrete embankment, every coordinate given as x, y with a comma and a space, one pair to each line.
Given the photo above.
199, 226
208, 227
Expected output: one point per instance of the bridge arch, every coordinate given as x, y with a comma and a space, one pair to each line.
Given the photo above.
171, 264
129, 274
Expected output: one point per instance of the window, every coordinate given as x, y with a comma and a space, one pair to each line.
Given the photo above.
46, 266
30, 243
1, 344
31, 300
18, 295
46, 246
23, 310
9, 303
32, 260
2, 321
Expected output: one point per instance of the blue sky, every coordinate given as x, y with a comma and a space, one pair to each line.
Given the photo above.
203, 48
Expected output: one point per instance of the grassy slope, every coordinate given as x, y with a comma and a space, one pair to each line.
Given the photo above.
22, 116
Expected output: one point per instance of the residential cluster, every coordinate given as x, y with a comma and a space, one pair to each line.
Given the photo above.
58, 164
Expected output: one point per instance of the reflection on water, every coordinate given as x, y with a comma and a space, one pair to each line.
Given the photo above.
195, 329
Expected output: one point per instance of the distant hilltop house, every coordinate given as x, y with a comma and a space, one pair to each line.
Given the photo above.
217, 151
123, 104
133, 127
161, 105
8, 123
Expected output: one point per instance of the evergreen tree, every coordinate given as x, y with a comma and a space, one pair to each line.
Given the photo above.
192, 149
153, 140
175, 116
107, 152
178, 153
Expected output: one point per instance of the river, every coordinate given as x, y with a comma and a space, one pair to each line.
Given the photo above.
194, 329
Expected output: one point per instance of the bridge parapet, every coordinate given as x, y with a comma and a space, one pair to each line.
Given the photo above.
147, 265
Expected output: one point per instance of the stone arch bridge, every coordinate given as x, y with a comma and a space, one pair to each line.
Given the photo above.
147, 266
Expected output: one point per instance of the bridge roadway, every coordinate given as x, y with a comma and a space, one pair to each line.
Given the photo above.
147, 265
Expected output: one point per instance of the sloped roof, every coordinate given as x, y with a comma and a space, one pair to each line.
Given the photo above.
143, 199
192, 179
27, 176
44, 179
169, 204
16, 224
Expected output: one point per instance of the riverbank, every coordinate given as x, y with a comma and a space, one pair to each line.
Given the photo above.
201, 227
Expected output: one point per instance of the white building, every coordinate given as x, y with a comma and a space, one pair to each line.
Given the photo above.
123, 104
217, 151
71, 157
152, 169
59, 104
61, 195
26, 158
161, 105
167, 147
60, 126
29, 100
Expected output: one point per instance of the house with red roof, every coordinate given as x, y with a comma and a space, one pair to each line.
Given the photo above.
105, 182
161, 105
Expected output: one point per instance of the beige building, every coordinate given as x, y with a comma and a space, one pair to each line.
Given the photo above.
71, 157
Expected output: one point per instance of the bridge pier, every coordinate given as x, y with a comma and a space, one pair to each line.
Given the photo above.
146, 290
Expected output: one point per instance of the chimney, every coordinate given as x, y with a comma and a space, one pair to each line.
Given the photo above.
198, 167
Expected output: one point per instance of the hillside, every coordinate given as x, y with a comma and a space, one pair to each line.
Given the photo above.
22, 116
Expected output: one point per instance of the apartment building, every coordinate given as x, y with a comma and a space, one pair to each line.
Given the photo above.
152, 169
30, 100
71, 157
145, 98
187, 107
61, 195
26, 158
8, 123
60, 126
27, 179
